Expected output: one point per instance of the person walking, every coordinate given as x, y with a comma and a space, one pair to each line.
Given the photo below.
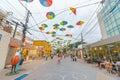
46, 57
59, 58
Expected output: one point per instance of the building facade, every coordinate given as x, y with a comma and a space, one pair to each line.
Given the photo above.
110, 15
4, 42
109, 21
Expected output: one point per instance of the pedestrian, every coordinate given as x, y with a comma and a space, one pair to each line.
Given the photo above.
51, 56
32, 57
46, 57
59, 58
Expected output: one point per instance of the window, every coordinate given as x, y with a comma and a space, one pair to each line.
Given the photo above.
111, 19
118, 21
117, 15
116, 32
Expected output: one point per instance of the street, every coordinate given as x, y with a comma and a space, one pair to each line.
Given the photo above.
51, 70
66, 70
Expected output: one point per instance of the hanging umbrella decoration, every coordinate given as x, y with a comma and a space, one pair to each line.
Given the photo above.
73, 10
48, 32
50, 15
46, 3
59, 38
27, 0
70, 26
44, 25
41, 28
53, 32
62, 29
63, 23
53, 35
56, 26
69, 35
80, 23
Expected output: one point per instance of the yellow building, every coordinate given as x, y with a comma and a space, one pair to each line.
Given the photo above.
47, 49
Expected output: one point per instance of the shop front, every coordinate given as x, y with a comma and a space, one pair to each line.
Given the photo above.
108, 48
14, 45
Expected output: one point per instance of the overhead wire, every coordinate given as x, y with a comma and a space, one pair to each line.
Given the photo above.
56, 34
13, 17
31, 16
15, 11
67, 10
97, 23
93, 28
63, 11
88, 22
13, 8
91, 18
77, 7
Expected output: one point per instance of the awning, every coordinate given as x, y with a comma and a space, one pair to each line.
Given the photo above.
106, 41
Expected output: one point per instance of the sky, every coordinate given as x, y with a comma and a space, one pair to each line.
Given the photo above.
86, 10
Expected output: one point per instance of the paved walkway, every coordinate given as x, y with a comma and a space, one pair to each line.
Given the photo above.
26, 67
66, 70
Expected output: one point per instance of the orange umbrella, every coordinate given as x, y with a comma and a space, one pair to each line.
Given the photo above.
69, 35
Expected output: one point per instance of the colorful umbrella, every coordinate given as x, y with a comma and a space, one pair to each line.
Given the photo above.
50, 15
53, 32
46, 3
59, 38
56, 25
79, 23
53, 35
55, 28
70, 35
73, 10
63, 23
44, 25
70, 26
27, 0
41, 28
48, 32
62, 29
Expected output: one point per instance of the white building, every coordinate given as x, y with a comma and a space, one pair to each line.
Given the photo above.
4, 40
